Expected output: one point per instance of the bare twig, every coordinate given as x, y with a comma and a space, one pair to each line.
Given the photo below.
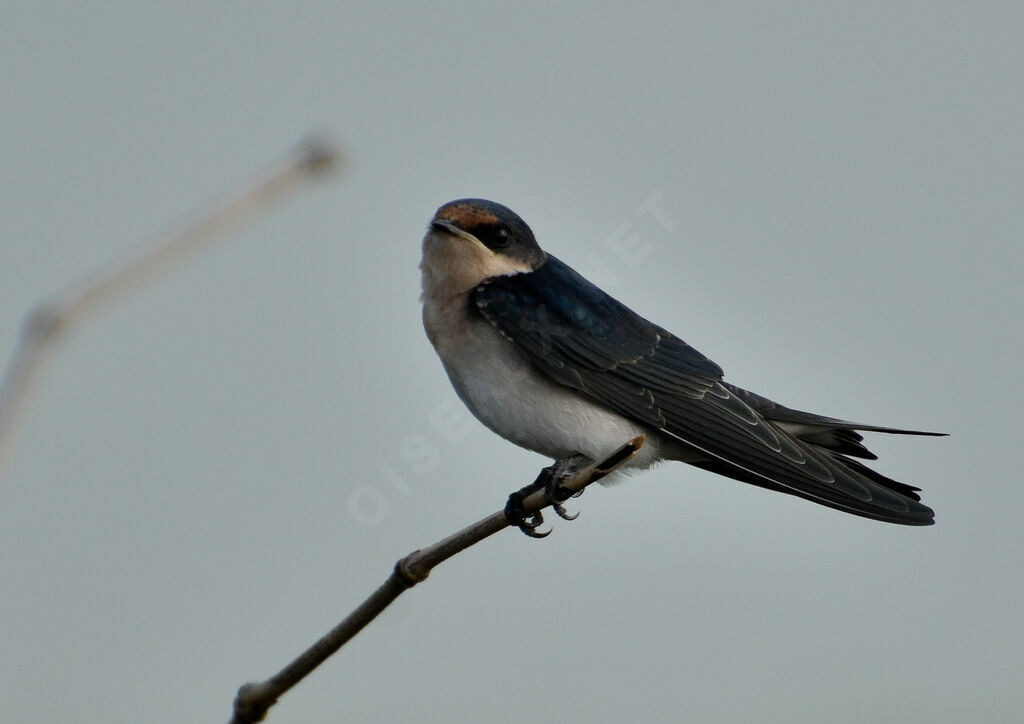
254, 700
54, 315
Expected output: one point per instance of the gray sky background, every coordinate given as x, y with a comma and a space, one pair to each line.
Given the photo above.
844, 188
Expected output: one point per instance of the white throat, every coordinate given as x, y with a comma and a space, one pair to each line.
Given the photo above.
452, 265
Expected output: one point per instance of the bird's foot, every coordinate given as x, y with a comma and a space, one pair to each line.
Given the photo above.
548, 481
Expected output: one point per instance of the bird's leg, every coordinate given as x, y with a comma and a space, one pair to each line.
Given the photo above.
548, 481
555, 494
514, 513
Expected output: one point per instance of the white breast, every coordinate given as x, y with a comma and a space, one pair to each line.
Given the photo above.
502, 389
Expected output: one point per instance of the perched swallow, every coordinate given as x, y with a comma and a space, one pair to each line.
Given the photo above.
548, 361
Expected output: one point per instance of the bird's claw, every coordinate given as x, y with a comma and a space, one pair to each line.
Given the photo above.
553, 493
515, 515
563, 514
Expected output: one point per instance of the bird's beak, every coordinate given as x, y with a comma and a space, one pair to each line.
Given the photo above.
449, 227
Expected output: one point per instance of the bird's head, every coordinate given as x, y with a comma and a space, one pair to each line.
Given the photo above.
470, 240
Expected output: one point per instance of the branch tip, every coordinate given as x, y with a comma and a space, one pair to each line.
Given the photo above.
318, 154
621, 455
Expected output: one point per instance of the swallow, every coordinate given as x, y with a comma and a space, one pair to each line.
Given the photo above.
550, 362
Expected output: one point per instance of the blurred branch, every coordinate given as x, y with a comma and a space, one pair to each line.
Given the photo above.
54, 315
254, 700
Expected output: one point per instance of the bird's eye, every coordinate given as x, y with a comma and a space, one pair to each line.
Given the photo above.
501, 237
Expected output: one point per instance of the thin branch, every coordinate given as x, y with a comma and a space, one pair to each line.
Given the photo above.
254, 700
54, 315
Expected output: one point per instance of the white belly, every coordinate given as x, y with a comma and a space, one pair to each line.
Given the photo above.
502, 389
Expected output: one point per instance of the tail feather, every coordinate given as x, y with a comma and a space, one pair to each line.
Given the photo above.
841, 441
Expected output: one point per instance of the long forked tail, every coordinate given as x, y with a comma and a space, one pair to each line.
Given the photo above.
842, 442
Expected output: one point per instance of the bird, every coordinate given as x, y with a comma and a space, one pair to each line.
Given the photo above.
552, 363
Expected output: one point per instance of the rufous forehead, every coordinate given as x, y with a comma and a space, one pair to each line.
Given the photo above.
466, 216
